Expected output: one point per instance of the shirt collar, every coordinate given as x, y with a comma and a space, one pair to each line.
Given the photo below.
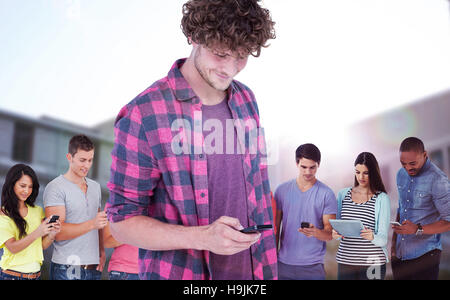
425, 166
181, 87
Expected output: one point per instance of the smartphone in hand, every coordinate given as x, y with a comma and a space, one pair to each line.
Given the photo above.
256, 228
53, 219
304, 225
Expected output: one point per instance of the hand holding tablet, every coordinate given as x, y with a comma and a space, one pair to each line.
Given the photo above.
347, 228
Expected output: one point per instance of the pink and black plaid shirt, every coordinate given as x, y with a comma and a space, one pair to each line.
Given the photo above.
149, 178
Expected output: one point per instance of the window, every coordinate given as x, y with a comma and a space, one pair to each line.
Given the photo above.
23, 142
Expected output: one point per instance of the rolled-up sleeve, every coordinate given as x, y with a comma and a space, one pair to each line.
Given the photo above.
441, 197
134, 170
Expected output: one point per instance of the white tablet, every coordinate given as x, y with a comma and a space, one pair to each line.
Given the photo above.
347, 228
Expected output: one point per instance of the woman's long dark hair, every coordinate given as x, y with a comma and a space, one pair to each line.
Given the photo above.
10, 202
375, 181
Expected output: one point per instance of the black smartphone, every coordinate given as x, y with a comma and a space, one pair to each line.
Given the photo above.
304, 225
53, 219
256, 228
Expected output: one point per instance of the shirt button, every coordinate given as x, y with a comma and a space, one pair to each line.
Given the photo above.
202, 195
201, 156
409, 191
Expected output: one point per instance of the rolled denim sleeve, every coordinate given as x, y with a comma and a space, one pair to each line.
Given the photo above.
441, 197
134, 172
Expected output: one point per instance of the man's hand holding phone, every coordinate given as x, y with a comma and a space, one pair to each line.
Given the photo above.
223, 237
256, 228
307, 229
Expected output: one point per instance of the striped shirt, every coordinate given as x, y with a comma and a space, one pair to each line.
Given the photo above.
150, 176
358, 251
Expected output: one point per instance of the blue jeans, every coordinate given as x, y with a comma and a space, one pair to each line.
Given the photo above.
4, 276
116, 275
69, 272
291, 272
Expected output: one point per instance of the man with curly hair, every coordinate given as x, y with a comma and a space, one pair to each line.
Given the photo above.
181, 191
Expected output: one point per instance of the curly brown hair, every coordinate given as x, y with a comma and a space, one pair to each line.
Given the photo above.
238, 25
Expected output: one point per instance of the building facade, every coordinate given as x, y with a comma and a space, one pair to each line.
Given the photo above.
43, 144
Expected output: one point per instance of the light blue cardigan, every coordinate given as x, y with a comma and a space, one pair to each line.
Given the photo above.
382, 218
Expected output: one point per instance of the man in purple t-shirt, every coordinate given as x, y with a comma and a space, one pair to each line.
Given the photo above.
304, 206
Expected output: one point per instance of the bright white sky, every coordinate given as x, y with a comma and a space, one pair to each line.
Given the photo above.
333, 62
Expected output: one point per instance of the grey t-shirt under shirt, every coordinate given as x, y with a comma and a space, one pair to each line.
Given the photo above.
80, 207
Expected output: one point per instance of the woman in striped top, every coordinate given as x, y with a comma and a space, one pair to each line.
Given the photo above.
364, 257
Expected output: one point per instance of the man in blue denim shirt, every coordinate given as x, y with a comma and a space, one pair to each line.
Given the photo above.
424, 212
